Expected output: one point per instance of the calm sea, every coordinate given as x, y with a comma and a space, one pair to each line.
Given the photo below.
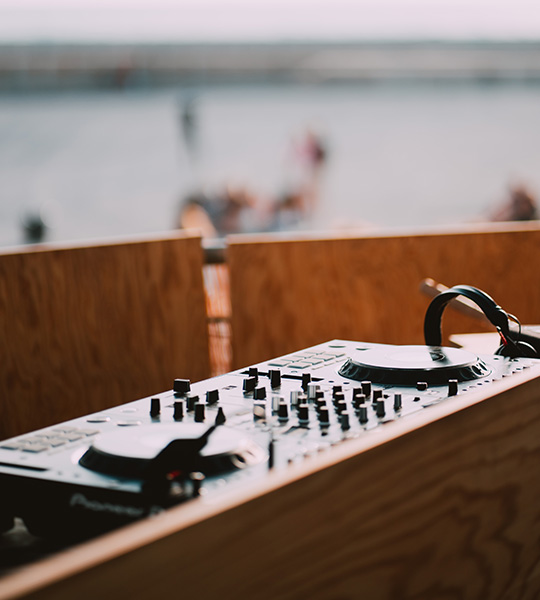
112, 163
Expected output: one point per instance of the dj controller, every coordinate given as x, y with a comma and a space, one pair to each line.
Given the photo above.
194, 442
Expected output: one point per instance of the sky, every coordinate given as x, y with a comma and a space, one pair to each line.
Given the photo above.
266, 20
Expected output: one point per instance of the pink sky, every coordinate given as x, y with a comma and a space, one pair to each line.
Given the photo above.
193, 20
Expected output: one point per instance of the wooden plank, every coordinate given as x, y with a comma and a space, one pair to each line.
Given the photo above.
443, 504
290, 293
84, 328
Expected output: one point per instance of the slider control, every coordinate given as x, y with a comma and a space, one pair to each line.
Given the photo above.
212, 397
275, 378
250, 384
181, 386
259, 393
306, 378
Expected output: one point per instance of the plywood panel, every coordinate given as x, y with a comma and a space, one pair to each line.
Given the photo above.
83, 328
443, 504
288, 294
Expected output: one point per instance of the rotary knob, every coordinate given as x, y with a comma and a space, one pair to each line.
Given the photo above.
178, 413
303, 414
199, 412
366, 388
363, 414
324, 417
283, 412
155, 407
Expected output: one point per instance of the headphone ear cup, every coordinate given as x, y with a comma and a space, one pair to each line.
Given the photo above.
517, 350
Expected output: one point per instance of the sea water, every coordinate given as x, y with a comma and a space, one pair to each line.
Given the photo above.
101, 163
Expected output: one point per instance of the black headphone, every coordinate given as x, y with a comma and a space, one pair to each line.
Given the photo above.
511, 346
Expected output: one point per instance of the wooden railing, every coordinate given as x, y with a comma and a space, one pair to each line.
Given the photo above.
87, 327
288, 293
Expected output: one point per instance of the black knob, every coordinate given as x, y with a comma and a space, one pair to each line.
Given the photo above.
341, 406
155, 407
253, 372
344, 421
339, 397
452, 387
283, 411
212, 397
358, 400
181, 386
303, 413
250, 384
377, 395
380, 409
199, 412
320, 403
178, 413
259, 393
302, 399
324, 417
357, 391
306, 378
397, 402
363, 414
275, 378
319, 394
366, 388
220, 417
421, 386
336, 389
191, 401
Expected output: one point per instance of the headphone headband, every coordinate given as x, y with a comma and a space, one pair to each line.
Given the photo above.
433, 318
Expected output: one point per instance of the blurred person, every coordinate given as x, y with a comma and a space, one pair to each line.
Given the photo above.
189, 122
216, 215
310, 156
34, 228
520, 206
287, 212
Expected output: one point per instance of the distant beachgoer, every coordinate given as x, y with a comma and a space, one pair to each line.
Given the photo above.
188, 122
287, 212
34, 228
217, 215
311, 156
520, 206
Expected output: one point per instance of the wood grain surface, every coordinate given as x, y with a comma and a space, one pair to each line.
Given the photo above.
288, 294
84, 328
441, 505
